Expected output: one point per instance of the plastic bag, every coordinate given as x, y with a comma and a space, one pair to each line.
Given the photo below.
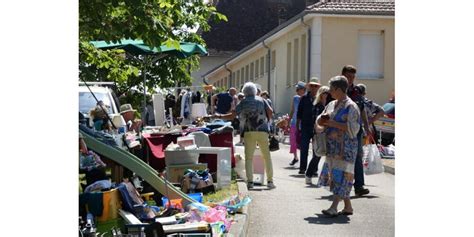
319, 144
371, 160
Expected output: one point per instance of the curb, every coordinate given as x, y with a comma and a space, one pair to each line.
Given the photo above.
389, 169
241, 225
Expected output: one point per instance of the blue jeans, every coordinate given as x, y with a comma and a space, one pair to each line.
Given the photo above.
306, 136
358, 168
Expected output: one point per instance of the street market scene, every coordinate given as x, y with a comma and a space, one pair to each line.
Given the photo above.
236, 118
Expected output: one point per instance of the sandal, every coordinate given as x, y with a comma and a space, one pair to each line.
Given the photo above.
330, 212
345, 213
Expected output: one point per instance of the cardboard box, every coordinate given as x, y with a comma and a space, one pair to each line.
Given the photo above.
176, 172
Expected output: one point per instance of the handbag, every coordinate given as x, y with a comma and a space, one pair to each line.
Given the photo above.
371, 160
274, 145
319, 144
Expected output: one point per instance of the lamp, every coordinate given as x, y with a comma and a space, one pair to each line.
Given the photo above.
119, 122
198, 110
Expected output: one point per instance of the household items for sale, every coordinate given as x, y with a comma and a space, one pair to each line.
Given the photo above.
198, 110
90, 161
174, 173
196, 196
119, 123
201, 139
180, 157
98, 186
186, 141
197, 180
234, 203
217, 123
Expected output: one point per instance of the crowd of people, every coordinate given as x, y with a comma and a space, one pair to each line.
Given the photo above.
338, 118
339, 114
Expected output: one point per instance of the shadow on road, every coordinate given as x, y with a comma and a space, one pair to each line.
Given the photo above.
365, 196
325, 220
297, 175
290, 168
329, 197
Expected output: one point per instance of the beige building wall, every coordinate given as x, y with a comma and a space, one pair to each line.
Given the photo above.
340, 47
283, 93
206, 63
334, 44
241, 66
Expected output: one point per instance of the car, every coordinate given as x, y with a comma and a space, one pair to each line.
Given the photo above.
102, 93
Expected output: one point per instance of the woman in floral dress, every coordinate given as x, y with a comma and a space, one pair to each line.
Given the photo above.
340, 120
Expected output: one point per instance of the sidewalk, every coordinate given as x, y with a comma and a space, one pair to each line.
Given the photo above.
389, 165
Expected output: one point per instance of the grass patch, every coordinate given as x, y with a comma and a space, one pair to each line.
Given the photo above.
222, 194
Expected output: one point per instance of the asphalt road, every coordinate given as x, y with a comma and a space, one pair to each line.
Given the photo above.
294, 208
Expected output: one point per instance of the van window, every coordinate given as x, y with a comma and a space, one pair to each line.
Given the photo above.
87, 101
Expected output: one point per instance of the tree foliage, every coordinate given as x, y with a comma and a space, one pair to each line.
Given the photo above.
156, 22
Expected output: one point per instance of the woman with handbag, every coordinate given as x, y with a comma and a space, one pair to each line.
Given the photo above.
254, 114
319, 103
340, 120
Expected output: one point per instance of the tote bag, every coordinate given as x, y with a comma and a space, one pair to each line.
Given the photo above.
319, 144
371, 160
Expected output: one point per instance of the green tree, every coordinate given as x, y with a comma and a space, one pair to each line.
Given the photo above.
156, 22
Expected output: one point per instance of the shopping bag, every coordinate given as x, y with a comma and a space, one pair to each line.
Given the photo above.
371, 160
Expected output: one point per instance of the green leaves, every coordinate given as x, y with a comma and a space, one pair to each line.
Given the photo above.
156, 22
221, 17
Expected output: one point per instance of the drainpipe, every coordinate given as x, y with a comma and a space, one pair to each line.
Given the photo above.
204, 80
308, 71
230, 75
268, 65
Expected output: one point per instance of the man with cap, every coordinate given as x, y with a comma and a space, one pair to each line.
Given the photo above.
128, 114
305, 119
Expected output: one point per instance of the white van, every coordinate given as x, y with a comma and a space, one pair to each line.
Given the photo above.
87, 101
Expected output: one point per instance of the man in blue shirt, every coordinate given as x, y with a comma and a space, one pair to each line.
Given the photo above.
305, 118
222, 103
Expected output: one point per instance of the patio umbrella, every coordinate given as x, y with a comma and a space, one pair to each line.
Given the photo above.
137, 47
151, 55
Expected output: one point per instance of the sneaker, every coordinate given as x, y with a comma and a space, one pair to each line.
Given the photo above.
249, 185
308, 180
293, 162
270, 185
302, 172
361, 191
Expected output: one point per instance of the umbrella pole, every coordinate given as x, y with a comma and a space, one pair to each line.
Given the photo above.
144, 90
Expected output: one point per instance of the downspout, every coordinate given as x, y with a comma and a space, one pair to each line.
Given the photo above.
230, 75
268, 65
308, 71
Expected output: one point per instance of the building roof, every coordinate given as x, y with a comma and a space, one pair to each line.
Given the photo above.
354, 7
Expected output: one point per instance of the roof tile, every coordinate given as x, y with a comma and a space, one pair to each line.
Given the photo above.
360, 7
